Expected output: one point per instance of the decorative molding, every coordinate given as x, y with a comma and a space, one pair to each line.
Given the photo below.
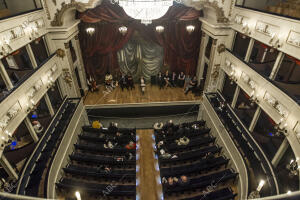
60, 53
76, 37
67, 45
54, 1
294, 38
46, 9
221, 48
221, 18
231, 8
266, 28
58, 17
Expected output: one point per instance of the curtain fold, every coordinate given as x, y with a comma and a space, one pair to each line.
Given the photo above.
180, 49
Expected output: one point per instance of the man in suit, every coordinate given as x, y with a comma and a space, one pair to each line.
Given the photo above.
124, 82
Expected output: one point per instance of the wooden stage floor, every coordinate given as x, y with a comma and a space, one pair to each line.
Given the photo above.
152, 94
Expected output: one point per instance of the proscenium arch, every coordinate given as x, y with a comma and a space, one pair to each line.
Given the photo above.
58, 18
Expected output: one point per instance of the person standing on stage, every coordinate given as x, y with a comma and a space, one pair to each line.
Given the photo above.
167, 79
174, 79
143, 85
160, 80
181, 79
124, 82
130, 81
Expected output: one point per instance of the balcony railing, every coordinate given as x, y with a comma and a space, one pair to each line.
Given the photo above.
285, 8
11, 8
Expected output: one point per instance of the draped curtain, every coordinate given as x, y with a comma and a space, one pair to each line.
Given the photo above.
100, 51
140, 58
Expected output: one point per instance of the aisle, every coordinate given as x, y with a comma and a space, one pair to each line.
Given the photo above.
148, 187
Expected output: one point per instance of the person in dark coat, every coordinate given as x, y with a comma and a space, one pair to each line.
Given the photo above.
124, 82
160, 80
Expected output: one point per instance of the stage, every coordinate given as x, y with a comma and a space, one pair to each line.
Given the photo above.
152, 95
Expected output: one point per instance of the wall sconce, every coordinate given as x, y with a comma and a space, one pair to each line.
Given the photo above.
255, 194
281, 128
190, 28
293, 168
30, 106
159, 29
254, 98
275, 41
246, 30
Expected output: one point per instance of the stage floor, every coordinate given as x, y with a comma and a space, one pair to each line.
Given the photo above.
152, 94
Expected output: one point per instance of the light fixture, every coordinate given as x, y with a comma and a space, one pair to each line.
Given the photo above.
123, 30
246, 29
159, 29
293, 168
255, 194
190, 28
146, 11
289, 192
77, 194
90, 31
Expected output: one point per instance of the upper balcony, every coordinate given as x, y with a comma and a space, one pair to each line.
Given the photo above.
286, 8
10, 8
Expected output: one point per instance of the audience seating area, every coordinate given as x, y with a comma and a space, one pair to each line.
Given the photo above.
258, 164
103, 165
41, 159
191, 164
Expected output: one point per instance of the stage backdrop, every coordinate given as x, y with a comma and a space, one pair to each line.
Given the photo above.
141, 51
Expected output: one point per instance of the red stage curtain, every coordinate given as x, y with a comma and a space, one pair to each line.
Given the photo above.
181, 49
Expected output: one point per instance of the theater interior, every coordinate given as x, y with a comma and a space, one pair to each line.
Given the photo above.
149, 99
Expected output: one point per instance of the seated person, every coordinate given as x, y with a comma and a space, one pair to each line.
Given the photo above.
143, 85
37, 127
96, 124
173, 79
167, 79
130, 81
192, 84
109, 82
160, 80
187, 80
113, 127
109, 145
181, 79
124, 82
131, 145
183, 141
183, 181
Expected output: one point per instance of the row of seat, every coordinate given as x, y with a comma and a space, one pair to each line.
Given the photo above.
100, 171
45, 150
199, 160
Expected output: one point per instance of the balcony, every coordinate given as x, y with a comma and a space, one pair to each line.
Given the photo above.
288, 8
10, 8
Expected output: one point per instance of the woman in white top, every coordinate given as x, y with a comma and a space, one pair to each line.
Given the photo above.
143, 85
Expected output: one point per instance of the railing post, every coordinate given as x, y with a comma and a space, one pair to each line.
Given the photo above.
282, 149
5, 77
276, 66
31, 130
8, 168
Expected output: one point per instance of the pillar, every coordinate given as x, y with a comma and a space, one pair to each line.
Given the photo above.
249, 50
31, 130
49, 105
255, 119
200, 65
209, 85
5, 77
81, 70
31, 56
235, 96
276, 66
282, 149
8, 168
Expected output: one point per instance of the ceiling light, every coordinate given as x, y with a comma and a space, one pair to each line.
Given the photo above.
123, 30
159, 29
90, 31
190, 28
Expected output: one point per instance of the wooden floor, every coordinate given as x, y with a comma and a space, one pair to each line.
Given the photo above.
148, 189
152, 94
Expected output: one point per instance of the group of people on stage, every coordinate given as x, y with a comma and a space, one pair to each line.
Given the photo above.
173, 80
162, 80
